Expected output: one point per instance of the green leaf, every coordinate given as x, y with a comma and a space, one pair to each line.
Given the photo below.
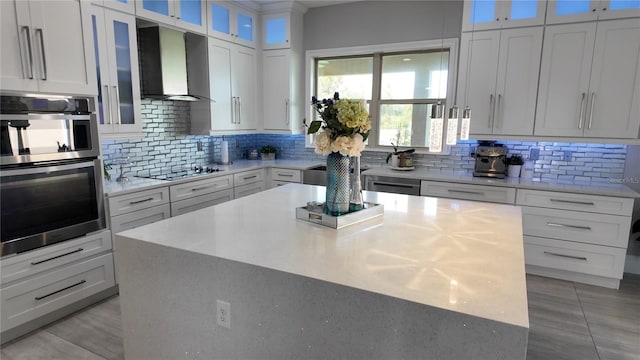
314, 127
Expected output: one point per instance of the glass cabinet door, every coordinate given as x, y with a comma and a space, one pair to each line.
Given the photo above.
276, 31
498, 14
191, 11
157, 6
127, 6
220, 21
565, 11
123, 66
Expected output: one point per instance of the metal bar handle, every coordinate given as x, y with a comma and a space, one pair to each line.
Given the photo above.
286, 112
203, 187
491, 110
590, 203
481, 193
56, 257
239, 109
107, 106
140, 201
499, 112
233, 109
287, 175
593, 98
38, 298
42, 55
569, 226
115, 89
566, 256
393, 184
249, 177
581, 113
25, 30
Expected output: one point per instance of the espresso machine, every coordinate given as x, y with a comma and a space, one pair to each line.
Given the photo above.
491, 160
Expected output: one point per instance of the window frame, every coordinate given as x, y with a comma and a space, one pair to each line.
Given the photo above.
450, 44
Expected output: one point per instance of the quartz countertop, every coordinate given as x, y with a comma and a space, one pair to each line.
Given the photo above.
466, 177
456, 255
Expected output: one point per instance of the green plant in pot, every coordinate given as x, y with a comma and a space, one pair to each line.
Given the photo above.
268, 152
400, 158
515, 163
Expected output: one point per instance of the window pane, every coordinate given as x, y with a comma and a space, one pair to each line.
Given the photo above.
245, 27
159, 6
352, 78
191, 11
569, 7
524, 9
624, 4
276, 31
220, 18
482, 11
414, 76
404, 124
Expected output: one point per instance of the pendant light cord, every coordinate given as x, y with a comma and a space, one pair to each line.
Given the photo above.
473, 24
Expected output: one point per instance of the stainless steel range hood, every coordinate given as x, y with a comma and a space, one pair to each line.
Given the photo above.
163, 64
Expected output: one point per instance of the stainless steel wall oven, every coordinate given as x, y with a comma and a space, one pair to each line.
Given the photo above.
50, 174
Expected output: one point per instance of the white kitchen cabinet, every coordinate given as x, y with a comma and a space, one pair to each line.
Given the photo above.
281, 176
499, 79
590, 80
281, 102
487, 193
575, 237
200, 202
500, 14
276, 31
126, 6
46, 47
232, 84
566, 11
194, 195
230, 22
185, 14
249, 177
37, 296
117, 71
248, 189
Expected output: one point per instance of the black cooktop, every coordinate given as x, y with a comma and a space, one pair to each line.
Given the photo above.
177, 173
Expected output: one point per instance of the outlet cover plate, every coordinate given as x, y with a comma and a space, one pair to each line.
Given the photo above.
223, 314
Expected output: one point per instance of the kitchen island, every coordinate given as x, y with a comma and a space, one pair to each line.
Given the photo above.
434, 278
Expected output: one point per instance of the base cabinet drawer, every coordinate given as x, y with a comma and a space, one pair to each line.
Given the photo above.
138, 218
486, 193
248, 177
200, 202
276, 183
46, 258
598, 229
122, 204
570, 256
288, 175
200, 187
40, 295
248, 189
578, 202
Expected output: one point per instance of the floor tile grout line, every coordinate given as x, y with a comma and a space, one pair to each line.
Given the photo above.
585, 319
72, 343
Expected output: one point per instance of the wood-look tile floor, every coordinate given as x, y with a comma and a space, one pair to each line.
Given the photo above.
567, 321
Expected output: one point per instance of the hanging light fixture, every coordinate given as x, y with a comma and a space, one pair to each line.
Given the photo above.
437, 110
465, 123
452, 126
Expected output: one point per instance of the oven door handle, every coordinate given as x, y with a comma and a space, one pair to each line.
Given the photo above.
48, 169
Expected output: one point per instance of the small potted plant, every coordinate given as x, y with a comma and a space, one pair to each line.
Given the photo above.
400, 158
515, 165
268, 152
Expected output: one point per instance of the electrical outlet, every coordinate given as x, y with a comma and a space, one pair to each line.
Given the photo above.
199, 146
534, 154
567, 155
223, 314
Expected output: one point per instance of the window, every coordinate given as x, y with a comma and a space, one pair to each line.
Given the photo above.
399, 82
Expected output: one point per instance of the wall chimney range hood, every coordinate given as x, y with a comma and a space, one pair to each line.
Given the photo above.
163, 64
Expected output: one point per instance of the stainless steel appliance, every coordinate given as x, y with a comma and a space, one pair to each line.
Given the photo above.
317, 175
491, 160
50, 174
393, 185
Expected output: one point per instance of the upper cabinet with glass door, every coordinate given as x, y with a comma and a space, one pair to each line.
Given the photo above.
127, 6
231, 23
566, 11
116, 53
276, 30
185, 14
500, 14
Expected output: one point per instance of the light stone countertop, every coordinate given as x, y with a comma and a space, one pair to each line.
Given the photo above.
461, 256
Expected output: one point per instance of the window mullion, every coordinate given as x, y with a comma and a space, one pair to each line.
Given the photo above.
374, 108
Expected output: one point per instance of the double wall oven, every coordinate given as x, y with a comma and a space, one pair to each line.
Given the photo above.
50, 173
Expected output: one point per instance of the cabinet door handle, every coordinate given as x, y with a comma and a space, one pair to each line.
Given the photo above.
491, 109
481, 193
593, 98
115, 89
286, 112
203, 187
286, 175
249, 177
498, 112
566, 256
239, 110
42, 55
569, 226
38, 298
393, 185
56, 257
573, 202
140, 201
107, 105
581, 114
27, 35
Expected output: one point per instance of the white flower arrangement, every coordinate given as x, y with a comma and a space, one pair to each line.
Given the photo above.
345, 126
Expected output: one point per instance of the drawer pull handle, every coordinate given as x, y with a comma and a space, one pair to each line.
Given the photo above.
590, 203
466, 192
566, 256
249, 177
569, 226
56, 257
393, 185
140, 201
287, 175
203, 187
38, 298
